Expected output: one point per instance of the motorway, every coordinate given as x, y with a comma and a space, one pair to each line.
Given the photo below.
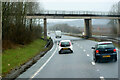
78, 64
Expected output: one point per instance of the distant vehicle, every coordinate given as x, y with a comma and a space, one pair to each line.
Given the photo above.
83, 34
48, 32
104, 51
65, 46
58, 34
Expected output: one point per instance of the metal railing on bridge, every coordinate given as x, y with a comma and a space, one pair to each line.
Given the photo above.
76, 12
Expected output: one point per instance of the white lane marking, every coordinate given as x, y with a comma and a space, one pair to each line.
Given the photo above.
93, 63
88, 55
102, 78
98, 70
84, 50
43, 65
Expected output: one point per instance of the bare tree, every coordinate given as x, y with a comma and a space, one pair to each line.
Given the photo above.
115, 10
15, 25
65, 28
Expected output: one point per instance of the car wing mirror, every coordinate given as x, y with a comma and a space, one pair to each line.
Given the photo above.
58, 42
93, 47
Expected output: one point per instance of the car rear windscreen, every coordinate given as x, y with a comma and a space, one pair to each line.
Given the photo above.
106, 46
65, 44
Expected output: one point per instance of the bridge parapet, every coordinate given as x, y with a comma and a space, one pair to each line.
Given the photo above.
76, 12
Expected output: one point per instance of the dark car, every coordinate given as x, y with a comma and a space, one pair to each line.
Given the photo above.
104, 51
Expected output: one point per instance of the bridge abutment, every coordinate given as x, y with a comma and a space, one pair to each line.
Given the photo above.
88, 28
45, 29
118, 27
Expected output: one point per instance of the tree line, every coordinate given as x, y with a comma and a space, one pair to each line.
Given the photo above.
16, 28
115, 9
65, 28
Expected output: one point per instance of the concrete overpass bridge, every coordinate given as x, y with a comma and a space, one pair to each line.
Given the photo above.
86, 15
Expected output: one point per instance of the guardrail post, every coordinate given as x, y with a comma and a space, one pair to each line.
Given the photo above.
88, 28
45, 29
118, 28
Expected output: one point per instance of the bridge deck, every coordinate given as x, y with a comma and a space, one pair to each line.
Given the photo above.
74, 15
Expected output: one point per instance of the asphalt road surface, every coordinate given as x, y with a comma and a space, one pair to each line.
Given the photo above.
78, 64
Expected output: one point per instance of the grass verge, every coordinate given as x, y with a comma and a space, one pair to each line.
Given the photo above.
43, 37
13, 58
115, 44
0, 65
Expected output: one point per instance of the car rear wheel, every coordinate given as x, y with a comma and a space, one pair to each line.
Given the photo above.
115, 59
59, 52
71, 51
95, 59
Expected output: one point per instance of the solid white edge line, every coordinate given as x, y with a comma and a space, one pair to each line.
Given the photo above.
88, 55
43, 65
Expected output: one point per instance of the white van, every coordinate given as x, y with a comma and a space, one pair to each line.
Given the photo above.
58, 34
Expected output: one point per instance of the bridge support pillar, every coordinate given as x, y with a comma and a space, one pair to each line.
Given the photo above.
30, 24
45, 29
118, 27
88, 28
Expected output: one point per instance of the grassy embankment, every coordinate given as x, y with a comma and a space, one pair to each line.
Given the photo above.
116, 44
13, 58
98, 40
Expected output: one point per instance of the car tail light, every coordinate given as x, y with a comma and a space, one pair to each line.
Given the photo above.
114, 50
97, 51
70, 43
60, 44
105, 43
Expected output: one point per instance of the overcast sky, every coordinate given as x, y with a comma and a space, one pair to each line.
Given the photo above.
86, 5
78, 5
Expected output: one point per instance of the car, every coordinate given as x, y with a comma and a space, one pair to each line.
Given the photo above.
58, 34
65, 46
48, 32
83, 34
104, 51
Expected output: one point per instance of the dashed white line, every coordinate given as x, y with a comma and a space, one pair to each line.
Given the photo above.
98, 70
84, 50
88, 55
43, 65
102, 78
93, 63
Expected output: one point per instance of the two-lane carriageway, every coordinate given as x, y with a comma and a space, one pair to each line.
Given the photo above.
78, 64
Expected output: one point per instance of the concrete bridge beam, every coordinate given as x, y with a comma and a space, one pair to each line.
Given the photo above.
88, 28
